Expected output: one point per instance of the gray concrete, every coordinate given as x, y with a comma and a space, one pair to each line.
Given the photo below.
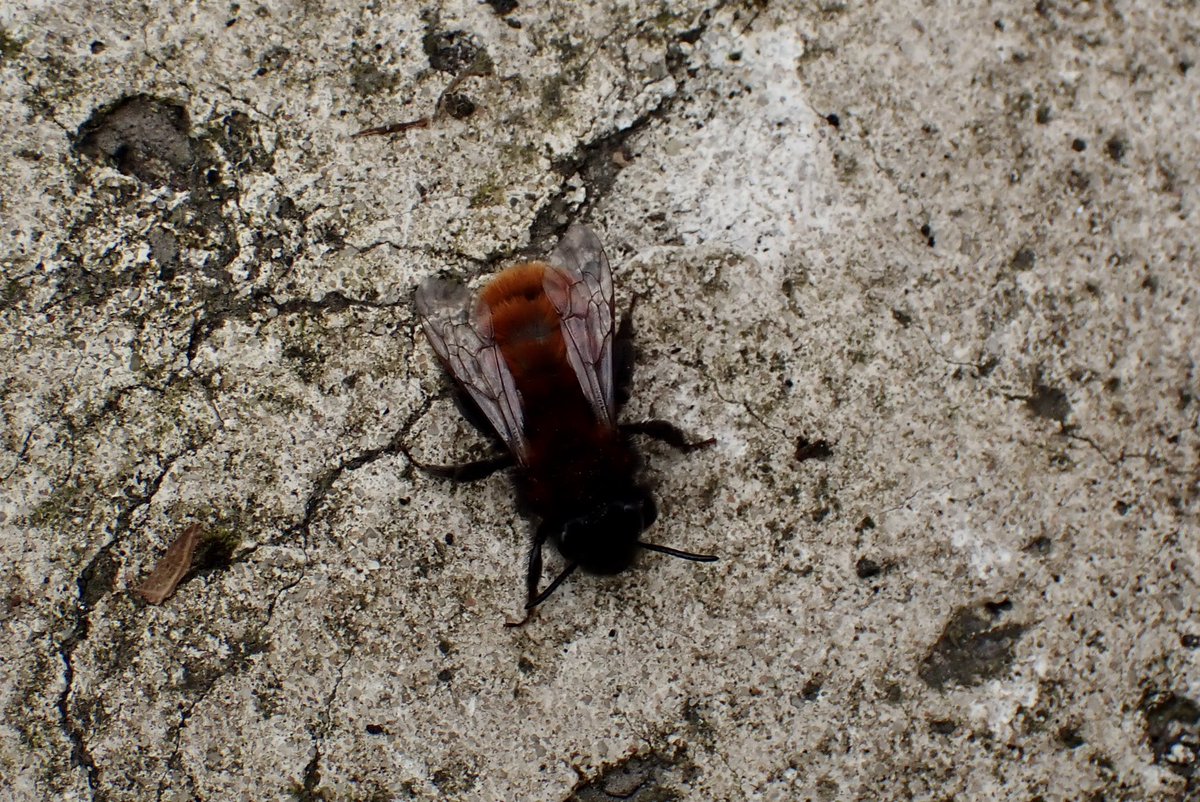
929, 276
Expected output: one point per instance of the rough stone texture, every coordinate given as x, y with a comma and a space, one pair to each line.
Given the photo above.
928, 274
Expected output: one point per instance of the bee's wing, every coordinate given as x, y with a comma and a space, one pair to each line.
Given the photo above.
465, 342
579, 285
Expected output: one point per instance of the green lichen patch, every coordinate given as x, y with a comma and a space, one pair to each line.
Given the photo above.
490, 193
10, 46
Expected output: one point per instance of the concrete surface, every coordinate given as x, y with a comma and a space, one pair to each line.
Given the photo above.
928, 274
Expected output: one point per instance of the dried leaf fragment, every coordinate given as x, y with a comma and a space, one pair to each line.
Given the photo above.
171, 568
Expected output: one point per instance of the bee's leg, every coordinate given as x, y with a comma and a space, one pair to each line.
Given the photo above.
623, 356
667, 433
623, 359
553, 586
533, 574
468, 471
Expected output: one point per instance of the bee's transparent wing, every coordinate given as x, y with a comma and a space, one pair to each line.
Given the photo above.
579, 285
464, 340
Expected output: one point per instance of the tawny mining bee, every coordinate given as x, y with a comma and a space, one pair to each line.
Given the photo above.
540, 365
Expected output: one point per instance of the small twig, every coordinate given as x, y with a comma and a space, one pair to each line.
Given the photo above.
479, 67
393, 128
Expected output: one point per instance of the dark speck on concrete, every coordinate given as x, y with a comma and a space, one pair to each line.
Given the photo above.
142, 136
972, 649
1048, 402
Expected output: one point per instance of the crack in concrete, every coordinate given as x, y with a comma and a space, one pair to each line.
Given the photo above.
749, 408
19, 457
311, 778
45, 107
259, 302
239, 660
221, 87
442, 253
71, 430
1071, 433
325, 482
593, 161
312, 770
80, 753
981, 368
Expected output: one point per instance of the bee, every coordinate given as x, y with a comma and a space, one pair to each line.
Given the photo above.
540, 365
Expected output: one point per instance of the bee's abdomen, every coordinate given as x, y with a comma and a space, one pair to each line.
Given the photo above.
525, 323
528, 330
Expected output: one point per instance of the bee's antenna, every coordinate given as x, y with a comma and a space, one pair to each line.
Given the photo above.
684, 555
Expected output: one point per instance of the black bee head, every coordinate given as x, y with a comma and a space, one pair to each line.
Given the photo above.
604, 539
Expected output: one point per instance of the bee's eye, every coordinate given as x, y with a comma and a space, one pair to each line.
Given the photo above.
649, 512
627, 515
579, 535
570, 531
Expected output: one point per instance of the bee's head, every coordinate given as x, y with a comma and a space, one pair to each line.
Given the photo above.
604, 539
